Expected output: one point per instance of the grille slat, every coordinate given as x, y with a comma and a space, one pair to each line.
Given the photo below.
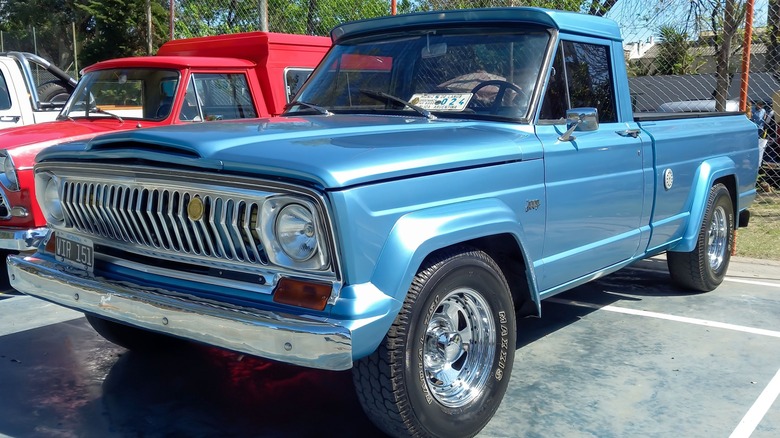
215, 226
157, 218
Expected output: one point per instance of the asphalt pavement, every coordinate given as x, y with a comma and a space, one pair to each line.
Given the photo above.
624, 356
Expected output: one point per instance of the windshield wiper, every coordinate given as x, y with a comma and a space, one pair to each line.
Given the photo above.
381, 95
98, 110
62, 116
319, 109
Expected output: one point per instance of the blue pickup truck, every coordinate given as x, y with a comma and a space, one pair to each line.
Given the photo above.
437, 177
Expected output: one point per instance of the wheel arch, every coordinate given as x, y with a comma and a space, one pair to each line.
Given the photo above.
721, 170
488, 225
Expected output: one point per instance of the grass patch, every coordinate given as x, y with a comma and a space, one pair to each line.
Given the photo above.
761, 239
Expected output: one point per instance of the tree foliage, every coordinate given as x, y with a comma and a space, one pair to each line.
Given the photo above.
118, 28
723, 19
674, 56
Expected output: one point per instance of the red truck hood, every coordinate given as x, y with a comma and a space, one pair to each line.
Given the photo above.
23, 143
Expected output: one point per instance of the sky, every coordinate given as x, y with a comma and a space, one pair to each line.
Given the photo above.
639, 20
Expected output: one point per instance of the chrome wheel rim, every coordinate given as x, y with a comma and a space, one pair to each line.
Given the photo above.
717, 238
459, 348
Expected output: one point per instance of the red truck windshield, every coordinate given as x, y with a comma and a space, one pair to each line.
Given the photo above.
492, 73
137, 93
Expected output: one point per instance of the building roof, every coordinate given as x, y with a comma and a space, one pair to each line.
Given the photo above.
649, 92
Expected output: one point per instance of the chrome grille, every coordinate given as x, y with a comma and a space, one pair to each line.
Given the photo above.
5, 208
225, 228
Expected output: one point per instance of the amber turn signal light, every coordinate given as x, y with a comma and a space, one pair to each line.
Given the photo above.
50, 244
302, 293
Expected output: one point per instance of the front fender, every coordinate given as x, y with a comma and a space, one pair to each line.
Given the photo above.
707, 173
420, 233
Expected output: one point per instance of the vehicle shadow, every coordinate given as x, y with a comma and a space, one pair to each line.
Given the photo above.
648, 278
199, 391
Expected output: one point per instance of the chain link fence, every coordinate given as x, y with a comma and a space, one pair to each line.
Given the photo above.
681, 55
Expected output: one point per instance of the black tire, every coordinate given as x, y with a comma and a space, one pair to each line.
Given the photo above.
399, 385
129, 337
53, 92
703, 268
5, 284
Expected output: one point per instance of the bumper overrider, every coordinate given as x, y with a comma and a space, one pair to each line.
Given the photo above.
22, 240
284, 337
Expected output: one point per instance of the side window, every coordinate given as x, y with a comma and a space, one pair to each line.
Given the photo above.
589, 76
294, 79
5, 98
220, 96
581, 77
556, 101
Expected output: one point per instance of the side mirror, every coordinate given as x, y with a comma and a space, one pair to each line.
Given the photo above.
580, 119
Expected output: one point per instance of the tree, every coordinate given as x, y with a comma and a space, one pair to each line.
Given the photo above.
674, 57
723, 18
52, 29
117, 28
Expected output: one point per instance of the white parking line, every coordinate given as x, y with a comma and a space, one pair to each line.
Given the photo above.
768, 396
704, 322
756, 412
753, 282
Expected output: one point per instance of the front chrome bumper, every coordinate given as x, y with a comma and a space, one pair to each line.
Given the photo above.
287, 338
22, 240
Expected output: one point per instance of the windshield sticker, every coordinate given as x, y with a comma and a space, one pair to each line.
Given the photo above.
442, 102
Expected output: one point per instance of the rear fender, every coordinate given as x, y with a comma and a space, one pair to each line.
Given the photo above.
708, 172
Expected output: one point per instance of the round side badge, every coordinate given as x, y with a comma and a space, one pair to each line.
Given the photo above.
668, 179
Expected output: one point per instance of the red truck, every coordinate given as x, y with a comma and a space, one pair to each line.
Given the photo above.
224, 77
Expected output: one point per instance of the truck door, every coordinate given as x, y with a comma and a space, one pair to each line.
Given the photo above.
10, 113
594, 183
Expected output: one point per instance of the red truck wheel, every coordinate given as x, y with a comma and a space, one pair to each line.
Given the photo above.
445, 364
703, 268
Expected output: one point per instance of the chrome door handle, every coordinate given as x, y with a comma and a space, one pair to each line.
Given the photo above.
634, 133
12, 119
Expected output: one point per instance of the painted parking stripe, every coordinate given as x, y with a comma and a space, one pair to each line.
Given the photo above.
727, 278
753, 282
756, 412
22, 313
683, 319
768, 396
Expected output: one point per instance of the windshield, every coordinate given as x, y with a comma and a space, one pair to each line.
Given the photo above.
447, 72
138, 93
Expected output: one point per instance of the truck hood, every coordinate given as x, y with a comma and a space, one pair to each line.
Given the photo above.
329, 151
23, 143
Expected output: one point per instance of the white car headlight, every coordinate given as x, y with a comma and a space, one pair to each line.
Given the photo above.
47, 191
10, 173
296, 232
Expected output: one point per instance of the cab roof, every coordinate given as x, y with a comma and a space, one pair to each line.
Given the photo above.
171, 62
569, 22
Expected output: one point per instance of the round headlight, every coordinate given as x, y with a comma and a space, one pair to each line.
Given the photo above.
51, 201
296, 232
10, 173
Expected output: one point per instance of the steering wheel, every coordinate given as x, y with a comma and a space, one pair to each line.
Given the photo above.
502, 87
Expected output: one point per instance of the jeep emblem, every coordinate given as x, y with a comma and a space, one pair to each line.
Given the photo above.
195, 209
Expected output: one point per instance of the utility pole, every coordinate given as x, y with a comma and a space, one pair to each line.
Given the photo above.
149, 27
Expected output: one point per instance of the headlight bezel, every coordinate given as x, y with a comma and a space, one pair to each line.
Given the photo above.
269, 228
51, 208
